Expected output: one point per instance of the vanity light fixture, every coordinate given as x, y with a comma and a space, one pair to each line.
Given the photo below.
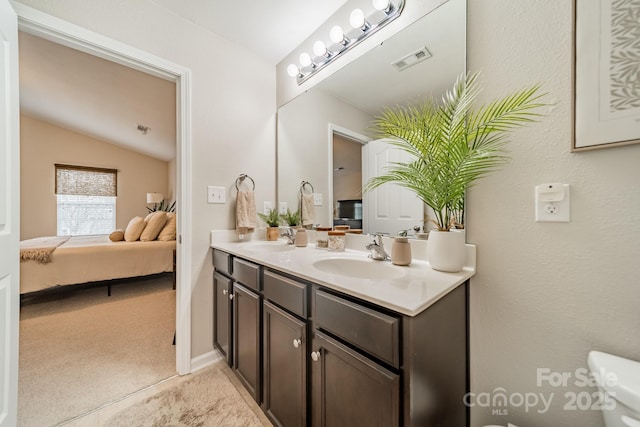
293, 70
384, 11
321, 53
358, 23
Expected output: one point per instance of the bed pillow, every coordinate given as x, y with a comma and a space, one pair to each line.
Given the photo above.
116, 236
155, 223
169, 231
134, 229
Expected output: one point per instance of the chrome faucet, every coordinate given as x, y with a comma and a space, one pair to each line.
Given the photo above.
377, 249
289, 235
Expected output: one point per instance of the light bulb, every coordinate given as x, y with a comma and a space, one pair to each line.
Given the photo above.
305, 59
319, 48
357, 18
336, 34
383, 5
293, 70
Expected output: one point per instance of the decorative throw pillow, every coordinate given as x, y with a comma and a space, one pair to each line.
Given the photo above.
169, 231
116, 236
134, 229
155, 222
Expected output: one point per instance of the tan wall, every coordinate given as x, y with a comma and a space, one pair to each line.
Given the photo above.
43, 144
547, 293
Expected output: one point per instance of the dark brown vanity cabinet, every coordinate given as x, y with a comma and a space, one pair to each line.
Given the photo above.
374, 367
237, 313
285, 367
222, 301
285, 356
246, 338
313, 356
352, 344
349, 389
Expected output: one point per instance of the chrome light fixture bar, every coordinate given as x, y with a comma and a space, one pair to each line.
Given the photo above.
363, 26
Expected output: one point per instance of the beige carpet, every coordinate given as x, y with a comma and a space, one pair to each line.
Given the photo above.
82, 349
211, 397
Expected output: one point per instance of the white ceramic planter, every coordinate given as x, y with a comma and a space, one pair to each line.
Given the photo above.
446, 250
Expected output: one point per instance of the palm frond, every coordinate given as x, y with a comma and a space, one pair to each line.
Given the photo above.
451, 144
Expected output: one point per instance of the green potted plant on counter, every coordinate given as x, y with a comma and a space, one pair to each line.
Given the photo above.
292, 219
272, 219
452, 145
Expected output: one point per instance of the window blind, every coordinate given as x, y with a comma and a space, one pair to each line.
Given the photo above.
86, 181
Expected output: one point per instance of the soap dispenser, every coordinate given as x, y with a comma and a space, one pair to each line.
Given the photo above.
301, 237
401, 250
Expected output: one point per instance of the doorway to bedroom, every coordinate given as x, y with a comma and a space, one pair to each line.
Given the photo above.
125, 339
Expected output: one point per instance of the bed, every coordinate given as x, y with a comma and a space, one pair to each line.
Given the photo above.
83, 259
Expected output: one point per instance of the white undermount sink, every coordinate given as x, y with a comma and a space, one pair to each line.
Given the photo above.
277, 246
359, 268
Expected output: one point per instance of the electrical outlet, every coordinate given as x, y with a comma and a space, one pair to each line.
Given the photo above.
317, 199
552, 203
283, 208
267, 207
216, 194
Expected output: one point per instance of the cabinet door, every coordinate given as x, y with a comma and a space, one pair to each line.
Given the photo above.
285, 372
246, 338
350, 390
222, 288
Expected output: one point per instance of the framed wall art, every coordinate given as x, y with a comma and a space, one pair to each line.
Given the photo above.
606, 73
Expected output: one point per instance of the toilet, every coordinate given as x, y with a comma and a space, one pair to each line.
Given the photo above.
624, 390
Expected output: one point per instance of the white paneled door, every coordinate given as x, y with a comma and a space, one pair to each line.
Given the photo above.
9, 215
390, 208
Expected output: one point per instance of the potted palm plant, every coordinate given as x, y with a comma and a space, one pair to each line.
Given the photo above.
292, 219
272, 219
452, 145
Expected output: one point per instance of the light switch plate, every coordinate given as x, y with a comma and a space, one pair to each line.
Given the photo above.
266, 207
317, 199
216, 194
283, 208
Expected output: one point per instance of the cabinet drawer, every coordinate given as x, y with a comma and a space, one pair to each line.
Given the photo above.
285, 292
372, 331
222, 262
246, 273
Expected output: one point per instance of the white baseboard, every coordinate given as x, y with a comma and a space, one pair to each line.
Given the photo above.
205, 360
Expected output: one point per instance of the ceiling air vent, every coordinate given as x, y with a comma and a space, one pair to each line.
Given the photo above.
412, 59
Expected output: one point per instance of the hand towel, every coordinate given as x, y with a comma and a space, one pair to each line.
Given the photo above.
307, 209
245, 212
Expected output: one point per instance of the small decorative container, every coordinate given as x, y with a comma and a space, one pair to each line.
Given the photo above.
401, 251
301, 237
336, 241
322, 237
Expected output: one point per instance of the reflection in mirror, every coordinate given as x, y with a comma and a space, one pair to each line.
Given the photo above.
321, 132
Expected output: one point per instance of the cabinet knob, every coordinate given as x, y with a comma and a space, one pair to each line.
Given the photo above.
315, 355
297, 342
224, 292
230, 296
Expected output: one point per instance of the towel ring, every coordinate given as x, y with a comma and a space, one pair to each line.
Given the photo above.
241, 179
303, 184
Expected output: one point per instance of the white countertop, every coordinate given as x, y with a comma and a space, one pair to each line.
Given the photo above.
419, 286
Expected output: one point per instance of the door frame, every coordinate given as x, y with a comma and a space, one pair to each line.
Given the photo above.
42, 25
349, 134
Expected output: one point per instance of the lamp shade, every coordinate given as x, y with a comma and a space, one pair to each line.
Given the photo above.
155, 197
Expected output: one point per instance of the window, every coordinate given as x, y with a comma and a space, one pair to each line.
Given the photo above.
86, 198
